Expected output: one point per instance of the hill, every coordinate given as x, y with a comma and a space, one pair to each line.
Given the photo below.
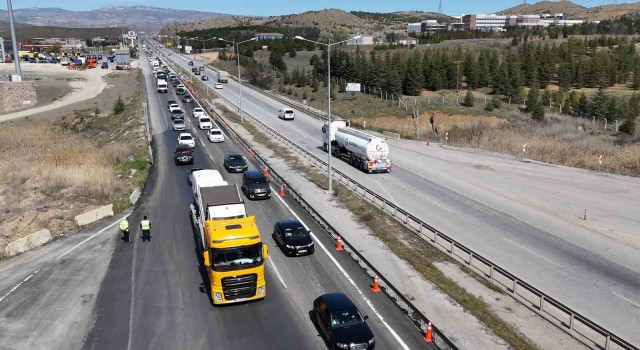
575, 11
330, 19
141, 18
24, 32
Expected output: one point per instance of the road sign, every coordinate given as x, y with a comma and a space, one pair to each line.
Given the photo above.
132, 34
187, 49
353, 87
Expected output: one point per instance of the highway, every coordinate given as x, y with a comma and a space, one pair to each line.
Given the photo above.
524, 216
153, 294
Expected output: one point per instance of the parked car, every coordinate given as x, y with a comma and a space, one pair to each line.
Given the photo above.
183, 154
187, 99
217, 86
255, 185
178, 125
235, 163
177, 114
340, 323
215, 135
293, 238
205, 123
198, 112
186, 139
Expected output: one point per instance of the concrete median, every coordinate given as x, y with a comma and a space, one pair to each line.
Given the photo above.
94, 215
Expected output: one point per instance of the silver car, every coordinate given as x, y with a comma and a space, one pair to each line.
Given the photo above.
178, 125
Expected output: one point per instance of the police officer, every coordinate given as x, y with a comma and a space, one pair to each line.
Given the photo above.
124, 227
145, 226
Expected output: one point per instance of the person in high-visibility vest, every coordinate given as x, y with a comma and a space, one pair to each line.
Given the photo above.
145, 226
124, 228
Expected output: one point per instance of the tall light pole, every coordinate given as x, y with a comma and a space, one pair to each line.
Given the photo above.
203, 41
328, 45
14, 42
237, 45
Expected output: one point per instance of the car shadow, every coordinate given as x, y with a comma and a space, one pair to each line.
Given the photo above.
314, 321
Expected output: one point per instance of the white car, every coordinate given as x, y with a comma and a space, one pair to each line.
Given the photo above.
180, 86
186, 139
218, 86
215, 135
198, 112
174, 107
205, 123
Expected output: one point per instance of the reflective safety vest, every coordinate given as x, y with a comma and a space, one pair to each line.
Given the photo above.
145, 225
124, 225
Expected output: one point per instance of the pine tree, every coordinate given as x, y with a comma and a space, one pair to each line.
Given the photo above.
538, 112
533, 99
598, 106
468, 99
628, 127
545, 99
118, 106
434, 83
314, 83
292, 52
583, 104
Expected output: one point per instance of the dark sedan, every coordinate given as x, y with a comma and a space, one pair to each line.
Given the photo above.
293, 238
341, 324
183, 155
235, 163
187, 99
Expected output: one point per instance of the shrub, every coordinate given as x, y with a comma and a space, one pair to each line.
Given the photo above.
628, 127
118, 106
488, 107
468, 99
537, 112
496, 103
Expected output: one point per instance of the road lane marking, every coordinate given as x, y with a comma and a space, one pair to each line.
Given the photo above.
133, 299
531, 251
619, 296
346, 275
270, 261
434, 202
19, 284
92, 236
388, 194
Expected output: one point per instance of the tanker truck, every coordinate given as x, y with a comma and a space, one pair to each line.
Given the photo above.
362, 150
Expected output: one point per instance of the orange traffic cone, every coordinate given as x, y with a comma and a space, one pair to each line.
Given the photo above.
265, 172
281, 190
250, 152
429, 336
375, 287
339, 244
234, 137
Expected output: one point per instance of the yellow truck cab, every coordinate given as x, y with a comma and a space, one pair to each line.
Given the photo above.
234, 259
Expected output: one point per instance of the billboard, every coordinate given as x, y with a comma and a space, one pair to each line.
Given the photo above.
187, 49
131, 34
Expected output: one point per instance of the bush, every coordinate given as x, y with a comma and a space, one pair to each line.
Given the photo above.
537, 112
488, 107
118, 106
628, 127
289, 91
496, 103
468, 99
305, 95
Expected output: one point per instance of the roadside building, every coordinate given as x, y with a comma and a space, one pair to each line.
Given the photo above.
269, 36
414, 28
407, 41
364, 39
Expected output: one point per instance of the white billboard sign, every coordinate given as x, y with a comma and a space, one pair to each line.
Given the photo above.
132, 34
353, 87
187, 49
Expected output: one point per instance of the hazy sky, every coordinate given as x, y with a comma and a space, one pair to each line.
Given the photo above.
278, 7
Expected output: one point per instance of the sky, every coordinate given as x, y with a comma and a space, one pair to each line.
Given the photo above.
280, 7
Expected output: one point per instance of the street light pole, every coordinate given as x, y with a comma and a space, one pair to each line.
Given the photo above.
14, 42
237, 48
328, 45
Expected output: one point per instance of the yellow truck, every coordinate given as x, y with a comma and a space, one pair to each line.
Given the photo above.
230, 244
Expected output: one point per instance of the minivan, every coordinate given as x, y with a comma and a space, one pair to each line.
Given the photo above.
255, 185
286, 114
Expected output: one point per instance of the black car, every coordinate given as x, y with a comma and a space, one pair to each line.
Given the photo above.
177, 114
176, 83
341, 324
187, 99
191, 63
293, 238
197, 72
235, 163
183, 155
205, 78
255, 185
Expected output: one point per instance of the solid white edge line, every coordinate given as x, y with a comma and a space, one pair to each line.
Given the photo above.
131, 308
270, 261
346, 275
614, 293
18, 285
86, 240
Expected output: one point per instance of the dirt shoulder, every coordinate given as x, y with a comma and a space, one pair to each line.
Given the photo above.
62, 163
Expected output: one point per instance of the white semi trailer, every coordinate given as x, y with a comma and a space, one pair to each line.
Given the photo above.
362, 150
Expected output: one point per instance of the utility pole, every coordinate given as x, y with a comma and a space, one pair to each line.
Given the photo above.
440, 8
14, 42
457, 76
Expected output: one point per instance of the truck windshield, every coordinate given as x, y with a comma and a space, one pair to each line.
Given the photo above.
236, 258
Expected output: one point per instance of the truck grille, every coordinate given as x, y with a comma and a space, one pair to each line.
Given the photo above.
237, 287
359, 346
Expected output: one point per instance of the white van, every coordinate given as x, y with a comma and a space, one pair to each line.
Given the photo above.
286, 114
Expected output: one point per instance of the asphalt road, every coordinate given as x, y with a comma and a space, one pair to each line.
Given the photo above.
522, 215
153, 294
